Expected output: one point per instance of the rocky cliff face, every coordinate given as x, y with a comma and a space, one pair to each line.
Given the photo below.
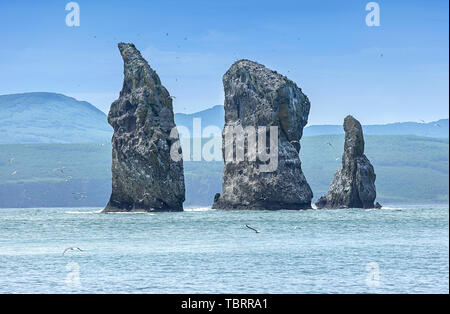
258, 97
144, 175
353, 185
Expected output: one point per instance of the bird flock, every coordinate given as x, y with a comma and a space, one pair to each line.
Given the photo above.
61, 170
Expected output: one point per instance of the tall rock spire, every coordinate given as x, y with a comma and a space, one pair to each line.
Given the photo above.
145, 177
258, 98
353, 185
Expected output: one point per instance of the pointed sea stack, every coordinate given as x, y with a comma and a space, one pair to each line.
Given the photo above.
258, 97
144, 176
353, 185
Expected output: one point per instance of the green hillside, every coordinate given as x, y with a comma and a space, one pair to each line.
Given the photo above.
50, 118
409, 169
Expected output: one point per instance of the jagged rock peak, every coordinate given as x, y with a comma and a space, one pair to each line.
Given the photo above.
354, 138
145, 176
353, 184
137, 71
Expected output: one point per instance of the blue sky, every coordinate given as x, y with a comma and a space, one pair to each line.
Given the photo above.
395, 72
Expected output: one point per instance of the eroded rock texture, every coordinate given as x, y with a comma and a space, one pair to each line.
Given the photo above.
144, 176
353, 185
256, 96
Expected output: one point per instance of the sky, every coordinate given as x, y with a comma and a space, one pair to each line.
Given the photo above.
395, 72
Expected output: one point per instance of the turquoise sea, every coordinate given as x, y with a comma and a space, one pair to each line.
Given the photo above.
399, 249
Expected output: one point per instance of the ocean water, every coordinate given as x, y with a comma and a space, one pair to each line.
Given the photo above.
399, 249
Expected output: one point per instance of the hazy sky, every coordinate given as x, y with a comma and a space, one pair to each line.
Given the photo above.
395, 72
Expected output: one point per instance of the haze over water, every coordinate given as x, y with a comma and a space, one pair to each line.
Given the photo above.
207, 251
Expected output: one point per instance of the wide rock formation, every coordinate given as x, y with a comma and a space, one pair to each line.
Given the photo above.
144, 175
258, 97
353, 185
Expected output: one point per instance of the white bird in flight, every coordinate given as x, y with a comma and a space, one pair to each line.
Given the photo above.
80, 196
59, 169
71, 249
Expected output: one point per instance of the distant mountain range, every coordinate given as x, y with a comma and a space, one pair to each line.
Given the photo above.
50, 118
438, 129
55, 118
214, 116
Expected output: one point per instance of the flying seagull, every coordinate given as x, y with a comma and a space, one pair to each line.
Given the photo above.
80, 196
144, 197
71, 249
257, 231
11, 160
59, 169
297, 227
328, 143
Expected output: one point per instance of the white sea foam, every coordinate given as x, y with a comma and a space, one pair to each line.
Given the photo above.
198, 209
131, 213
83, 212
392, 208
189, 209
